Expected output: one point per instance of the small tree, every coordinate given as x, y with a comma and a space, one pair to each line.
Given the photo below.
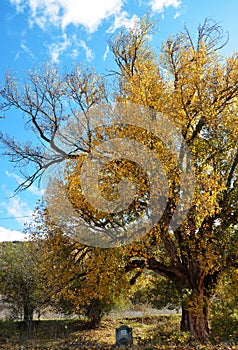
21, 283
81, 279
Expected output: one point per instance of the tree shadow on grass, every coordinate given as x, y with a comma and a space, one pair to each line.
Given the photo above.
39, 332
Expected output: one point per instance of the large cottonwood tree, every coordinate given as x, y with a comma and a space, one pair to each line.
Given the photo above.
197, 89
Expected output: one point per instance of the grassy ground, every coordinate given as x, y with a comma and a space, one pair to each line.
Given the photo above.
149, 332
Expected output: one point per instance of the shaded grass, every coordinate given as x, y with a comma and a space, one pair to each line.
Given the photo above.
149, 332
43, 332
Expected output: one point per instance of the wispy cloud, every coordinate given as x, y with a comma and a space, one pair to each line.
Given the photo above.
62, 13
57, 49
19, 4
74, 53
11, 235
69, 46
19, 210
122, 20
88, 51
14, 206
26, 49
177, 14
161, 5
19, 180
106, 53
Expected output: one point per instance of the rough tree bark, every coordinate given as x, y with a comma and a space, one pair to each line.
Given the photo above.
195, 307
195, 322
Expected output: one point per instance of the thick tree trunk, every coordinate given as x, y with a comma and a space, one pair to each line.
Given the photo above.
28, 316
196, 322
94, 313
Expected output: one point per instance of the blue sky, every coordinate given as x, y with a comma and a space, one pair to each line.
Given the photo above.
67, 31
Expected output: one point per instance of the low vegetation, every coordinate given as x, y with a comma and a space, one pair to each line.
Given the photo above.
149, 332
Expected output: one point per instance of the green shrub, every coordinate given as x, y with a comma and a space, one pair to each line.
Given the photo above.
224, 321
224, 309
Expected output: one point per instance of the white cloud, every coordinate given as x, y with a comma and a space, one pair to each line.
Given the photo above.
122, 20
106, 53
15, 207
74, 53
89, 13
17, 56
25, 48
19, 210
177, 14
11, 235
19, 4
71, 45
88, 51
57, 49
160, 5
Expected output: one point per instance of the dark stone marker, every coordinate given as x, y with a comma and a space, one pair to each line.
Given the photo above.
124, 336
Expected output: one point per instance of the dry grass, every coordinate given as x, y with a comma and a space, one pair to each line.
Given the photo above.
149, 332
